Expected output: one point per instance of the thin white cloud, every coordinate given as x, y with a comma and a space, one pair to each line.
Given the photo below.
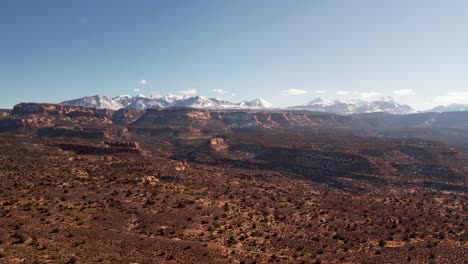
452, 98
218, 91
188, 92
320, 91
342, 92
404, 92
136, 90
294, 92
143, 82
367, 95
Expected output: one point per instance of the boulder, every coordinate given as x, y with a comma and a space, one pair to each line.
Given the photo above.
149, 180
216, 141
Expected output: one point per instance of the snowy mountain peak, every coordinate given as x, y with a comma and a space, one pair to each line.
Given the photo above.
388, 99
260, 103
122, 97
317, 100
386, 104
96, 101
320, 101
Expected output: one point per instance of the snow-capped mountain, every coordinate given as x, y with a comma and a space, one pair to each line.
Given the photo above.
142, 102
386, 104
201, 102
97, 101
449, 108
259, 103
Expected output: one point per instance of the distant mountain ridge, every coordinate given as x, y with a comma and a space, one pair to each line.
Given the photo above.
346, 107
386, 104
97, 101
142, 102
449, 108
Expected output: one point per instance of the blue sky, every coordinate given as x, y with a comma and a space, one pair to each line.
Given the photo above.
287, 52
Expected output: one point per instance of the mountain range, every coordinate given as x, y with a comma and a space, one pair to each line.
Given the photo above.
450, 108
356, 106
386, 104
142, 102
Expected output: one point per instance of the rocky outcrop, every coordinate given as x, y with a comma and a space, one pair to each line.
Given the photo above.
216, 141
149, 180
105, 113
57, 109
55, 120
217, 144
182, 166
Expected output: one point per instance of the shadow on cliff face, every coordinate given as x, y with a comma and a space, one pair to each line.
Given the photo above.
334, 167
313, 165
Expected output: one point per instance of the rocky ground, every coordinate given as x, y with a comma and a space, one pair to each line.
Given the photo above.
253, 196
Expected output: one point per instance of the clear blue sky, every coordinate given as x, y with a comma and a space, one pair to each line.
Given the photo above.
415, 51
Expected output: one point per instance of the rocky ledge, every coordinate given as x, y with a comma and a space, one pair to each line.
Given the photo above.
58, 109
